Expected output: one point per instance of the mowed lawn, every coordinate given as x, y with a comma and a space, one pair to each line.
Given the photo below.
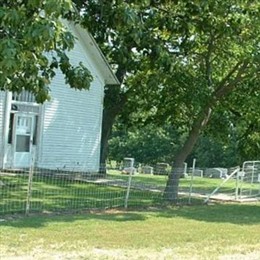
220, 231
63, 192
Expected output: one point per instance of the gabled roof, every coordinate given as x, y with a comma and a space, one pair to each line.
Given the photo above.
96, 54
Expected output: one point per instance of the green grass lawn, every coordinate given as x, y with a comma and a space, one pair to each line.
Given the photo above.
160, 180
199, 184
220, 231
59, 194
51, 193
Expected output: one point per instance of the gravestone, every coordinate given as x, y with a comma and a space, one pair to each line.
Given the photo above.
128, 166
147, 169
162, 169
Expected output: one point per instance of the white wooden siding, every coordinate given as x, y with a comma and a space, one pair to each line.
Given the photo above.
71, 123
69, 131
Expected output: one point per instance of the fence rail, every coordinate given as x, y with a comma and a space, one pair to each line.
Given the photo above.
41, 190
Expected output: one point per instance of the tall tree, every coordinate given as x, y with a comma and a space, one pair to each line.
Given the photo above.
33, 43
185, 57
122, 30
216, 57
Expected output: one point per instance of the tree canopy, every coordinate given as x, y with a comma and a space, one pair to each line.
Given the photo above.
184, 61
149, 144
34, 42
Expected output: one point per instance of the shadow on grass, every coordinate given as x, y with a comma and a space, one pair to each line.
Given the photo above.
244, 214
38, 221
239, 214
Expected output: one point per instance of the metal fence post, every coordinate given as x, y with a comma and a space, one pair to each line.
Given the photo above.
128, 187
30, 180
191, 179
237, 185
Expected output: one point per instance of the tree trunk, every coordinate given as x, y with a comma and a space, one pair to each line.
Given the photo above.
107, 124
172, 186
227, 85
114, 102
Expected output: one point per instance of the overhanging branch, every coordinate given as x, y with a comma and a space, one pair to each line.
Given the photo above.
227, 85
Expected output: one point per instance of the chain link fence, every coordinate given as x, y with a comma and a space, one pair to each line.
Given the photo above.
43, 191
